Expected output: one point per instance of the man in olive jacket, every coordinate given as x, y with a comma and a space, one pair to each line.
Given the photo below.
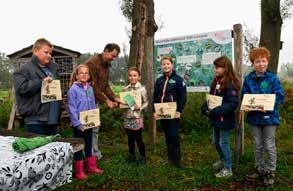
99, 66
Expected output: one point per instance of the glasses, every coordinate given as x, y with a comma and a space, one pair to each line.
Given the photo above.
83, 74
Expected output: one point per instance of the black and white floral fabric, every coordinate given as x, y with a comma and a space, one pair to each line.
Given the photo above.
44, 168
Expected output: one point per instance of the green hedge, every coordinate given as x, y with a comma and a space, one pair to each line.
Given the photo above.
192, 119
5, 107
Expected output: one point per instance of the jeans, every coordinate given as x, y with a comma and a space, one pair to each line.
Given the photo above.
96, 151
87, 137
264, 140
135, 136
222, 144
42, 129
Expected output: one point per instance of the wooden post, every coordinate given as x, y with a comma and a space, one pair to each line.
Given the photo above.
238, 60
149, 44
12, 117
13, 111
1, 101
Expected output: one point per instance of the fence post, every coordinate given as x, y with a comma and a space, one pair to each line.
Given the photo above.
238, 60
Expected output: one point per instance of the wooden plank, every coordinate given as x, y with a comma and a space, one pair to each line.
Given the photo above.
12, 116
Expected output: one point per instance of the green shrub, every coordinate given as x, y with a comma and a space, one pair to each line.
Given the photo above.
192, 119
286, 110
111, 119
5, 108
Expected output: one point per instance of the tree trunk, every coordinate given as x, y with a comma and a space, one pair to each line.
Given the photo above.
271, 23
138, 34
141, 51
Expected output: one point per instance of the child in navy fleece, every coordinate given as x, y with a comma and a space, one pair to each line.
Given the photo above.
171, 88
81, 98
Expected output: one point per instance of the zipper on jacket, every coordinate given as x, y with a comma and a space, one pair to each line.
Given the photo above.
215, 92
87, 99
164, 89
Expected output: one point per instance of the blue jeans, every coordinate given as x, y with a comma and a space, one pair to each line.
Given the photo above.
42, 129
222, 144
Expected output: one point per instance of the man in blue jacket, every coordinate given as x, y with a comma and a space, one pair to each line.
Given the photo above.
263, 123
40, 118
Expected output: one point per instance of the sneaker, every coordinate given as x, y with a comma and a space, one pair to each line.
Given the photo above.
99, 157
218, 165
224, 173
254, 176
98, 154
269, 178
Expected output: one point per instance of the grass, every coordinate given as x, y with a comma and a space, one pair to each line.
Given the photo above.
3, 94
198, 156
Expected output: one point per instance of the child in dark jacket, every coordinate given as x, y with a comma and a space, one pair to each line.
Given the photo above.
81, 98
171, 88
263, 123
222, 118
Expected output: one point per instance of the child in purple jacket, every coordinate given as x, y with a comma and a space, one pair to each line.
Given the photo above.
81, 98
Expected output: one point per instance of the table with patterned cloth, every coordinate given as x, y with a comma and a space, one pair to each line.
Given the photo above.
43, 168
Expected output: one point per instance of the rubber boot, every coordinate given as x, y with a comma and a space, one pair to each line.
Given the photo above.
92, 165
78, 170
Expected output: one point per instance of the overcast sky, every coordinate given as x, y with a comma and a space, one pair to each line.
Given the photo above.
87, 25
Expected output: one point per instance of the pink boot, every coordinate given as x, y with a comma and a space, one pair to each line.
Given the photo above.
92, 165
78, 170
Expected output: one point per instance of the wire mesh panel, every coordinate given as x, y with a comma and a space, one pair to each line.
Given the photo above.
65, 68
17, 63
65, 64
